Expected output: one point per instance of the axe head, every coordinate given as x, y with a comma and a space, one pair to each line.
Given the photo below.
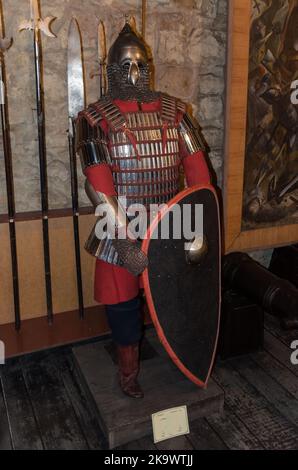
45, 26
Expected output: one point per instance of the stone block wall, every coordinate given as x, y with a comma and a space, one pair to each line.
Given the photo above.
188, 41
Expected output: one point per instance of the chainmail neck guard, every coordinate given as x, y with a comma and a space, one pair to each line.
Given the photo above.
119, 88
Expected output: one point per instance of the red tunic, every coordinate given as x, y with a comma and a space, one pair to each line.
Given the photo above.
113, 284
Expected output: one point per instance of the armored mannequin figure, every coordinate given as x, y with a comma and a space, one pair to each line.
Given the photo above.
132, 143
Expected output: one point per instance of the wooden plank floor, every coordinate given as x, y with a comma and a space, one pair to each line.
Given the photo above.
44, 405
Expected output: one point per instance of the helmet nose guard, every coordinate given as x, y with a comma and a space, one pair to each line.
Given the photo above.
134, 74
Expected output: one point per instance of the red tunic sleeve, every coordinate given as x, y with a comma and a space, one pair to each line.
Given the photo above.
196, 169
101, 178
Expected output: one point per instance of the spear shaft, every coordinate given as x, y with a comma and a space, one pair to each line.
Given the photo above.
43, 170
144, 15
75, 210
9, 178
37, 24
102, 55
76, 103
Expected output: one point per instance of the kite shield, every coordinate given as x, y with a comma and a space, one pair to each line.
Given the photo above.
182, 281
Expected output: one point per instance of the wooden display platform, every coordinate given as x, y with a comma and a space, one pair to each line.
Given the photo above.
123, 419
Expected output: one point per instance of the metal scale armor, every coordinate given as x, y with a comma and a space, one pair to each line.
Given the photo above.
142, 149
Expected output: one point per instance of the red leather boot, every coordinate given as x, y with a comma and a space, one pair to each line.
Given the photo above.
128, 362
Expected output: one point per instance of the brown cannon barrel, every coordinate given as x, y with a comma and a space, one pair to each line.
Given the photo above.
277, 296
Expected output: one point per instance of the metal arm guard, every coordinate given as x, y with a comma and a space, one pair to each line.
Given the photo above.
191, 135
115, 213
91, 144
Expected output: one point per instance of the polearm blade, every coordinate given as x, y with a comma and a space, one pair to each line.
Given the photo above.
102, 57
37, 24
5, 44
75, 72
76, 102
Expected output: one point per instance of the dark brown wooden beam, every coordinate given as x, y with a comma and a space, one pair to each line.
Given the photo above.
37, 215
36, 334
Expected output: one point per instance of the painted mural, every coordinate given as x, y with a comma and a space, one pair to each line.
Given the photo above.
271, 161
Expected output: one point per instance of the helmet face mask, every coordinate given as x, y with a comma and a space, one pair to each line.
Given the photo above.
133, 64
128, 69
133, 68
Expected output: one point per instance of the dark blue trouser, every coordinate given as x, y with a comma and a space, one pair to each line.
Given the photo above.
125, 321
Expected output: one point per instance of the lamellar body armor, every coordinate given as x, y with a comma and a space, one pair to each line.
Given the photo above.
143, 150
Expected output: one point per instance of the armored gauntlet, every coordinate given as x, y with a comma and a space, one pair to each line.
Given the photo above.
131, 256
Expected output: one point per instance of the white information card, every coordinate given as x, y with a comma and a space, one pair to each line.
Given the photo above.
170, 423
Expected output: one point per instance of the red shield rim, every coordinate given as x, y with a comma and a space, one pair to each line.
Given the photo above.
149, 299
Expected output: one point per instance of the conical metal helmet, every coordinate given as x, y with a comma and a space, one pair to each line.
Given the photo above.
128, 47
129, 67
